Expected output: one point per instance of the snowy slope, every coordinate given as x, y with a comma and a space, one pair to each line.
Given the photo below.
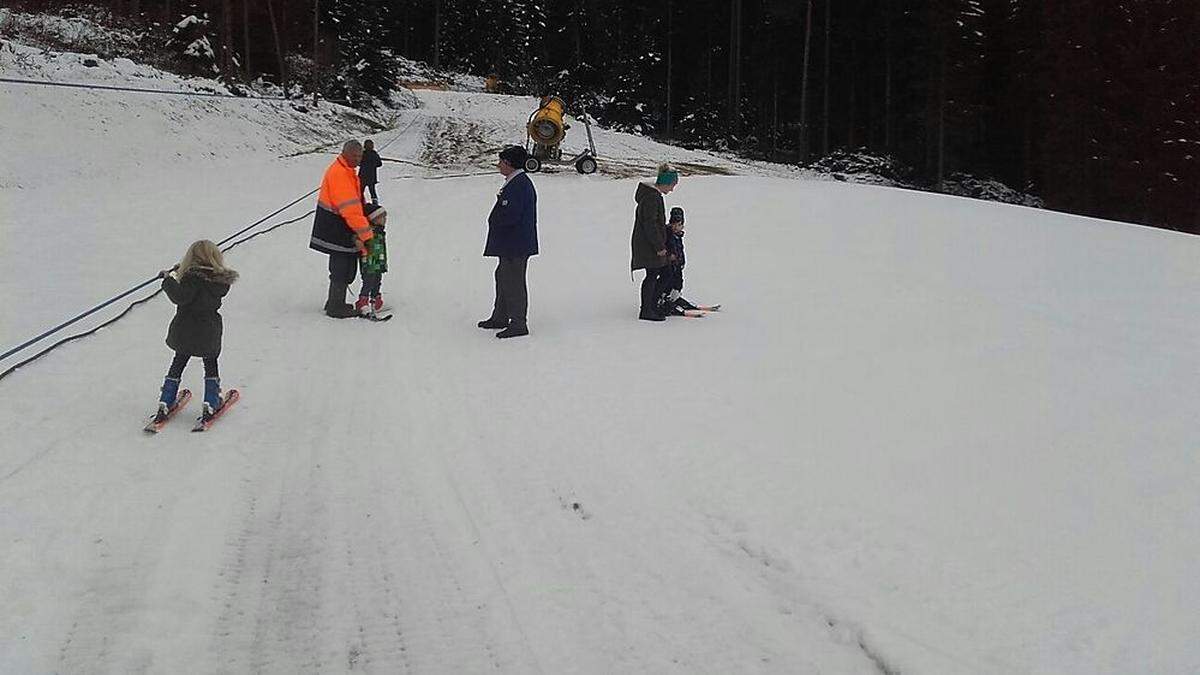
927, 435
104, 184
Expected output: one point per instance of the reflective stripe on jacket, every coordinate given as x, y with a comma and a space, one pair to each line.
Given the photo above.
339, 216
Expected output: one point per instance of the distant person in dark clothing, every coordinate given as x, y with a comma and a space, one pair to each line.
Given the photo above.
649, 240
366, 170
512, 237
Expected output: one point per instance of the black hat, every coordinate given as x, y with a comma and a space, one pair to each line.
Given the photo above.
676, 214
515, 156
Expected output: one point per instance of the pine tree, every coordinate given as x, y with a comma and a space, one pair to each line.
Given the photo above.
365, 67
192, 44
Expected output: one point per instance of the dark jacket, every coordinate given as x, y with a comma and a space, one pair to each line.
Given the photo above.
649, 228
672, 278
196, 329
366, 168
512, 224
675, 249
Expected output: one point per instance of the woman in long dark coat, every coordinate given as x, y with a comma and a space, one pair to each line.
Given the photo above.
649, 240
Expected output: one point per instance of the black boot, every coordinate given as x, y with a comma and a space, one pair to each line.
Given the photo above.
514, 330
493, 324
649, 301
336, 305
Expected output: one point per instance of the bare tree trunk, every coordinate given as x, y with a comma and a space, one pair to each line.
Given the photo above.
577, 32
804, 83
670, 55
825, 95
732, 39
278, 48
941, 141
708, 59
227, 69
437, 33
775, 117
246, 38
887, 77
852, 113
316, 46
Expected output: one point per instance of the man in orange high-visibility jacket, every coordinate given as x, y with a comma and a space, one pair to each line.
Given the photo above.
340, 229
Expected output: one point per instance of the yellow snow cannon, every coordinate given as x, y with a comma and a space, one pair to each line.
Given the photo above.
546, 130
546, 127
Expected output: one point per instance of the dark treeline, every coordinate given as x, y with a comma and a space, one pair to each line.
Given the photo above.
1094, 105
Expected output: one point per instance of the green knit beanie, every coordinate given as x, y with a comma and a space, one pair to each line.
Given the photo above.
667, 176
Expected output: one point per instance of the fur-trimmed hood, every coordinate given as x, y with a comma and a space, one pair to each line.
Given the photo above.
203, 273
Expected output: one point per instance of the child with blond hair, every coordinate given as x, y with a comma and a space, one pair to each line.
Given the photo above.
196, 285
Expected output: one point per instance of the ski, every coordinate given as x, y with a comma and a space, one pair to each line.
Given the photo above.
156, 424
694, 313
376, 317
205, 423
709, 308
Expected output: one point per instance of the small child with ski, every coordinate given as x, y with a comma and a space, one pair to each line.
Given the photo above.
672, 303
196, 286
374, 263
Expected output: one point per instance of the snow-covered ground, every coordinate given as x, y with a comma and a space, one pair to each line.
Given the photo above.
926, 435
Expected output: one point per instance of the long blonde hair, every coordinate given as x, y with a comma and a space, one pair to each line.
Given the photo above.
205, 254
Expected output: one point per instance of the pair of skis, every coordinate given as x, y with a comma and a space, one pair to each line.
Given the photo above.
701, 311
203, 423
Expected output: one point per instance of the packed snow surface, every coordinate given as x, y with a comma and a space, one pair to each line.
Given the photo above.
924, 435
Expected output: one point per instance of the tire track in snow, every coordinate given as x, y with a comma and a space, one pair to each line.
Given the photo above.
269, 585
376, 641
113, 599
451, 629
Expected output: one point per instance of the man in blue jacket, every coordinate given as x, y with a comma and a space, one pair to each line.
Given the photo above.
512, 237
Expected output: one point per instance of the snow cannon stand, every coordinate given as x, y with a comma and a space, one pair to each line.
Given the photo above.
545, 132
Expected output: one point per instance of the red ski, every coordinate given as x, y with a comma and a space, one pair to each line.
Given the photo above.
204, 423
156, 423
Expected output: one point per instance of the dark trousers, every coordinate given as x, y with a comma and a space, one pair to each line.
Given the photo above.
672, 279
512, 295
343, 267
653, 287
371, 285
371, 187
181, 360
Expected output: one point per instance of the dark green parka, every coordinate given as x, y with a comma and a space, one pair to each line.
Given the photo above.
649, 228
196, 329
